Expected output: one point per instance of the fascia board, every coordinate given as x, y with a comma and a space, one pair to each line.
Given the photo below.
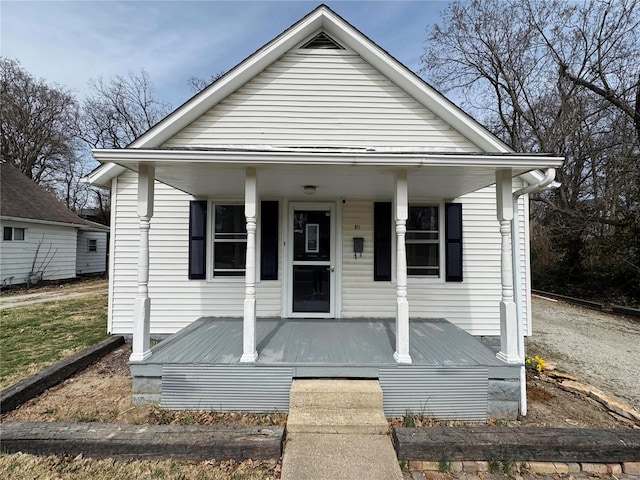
229, 83
129, 157
40, 222
102, 175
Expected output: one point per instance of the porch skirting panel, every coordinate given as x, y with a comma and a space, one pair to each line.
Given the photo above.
453, 375
226, 388
448, 393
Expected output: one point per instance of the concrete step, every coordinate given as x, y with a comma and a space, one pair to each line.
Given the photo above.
336, 394
339, 457
336, 406
369, 421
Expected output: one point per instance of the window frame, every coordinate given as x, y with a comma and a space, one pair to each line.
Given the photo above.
440, 277
215, 274
92, 245
13, 234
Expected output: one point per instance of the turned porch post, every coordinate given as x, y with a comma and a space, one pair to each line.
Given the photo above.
508, 316
249, 353
141, 314
401, 355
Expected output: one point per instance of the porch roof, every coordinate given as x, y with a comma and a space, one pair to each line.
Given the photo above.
336, 172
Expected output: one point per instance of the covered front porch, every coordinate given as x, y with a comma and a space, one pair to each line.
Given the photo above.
453, 374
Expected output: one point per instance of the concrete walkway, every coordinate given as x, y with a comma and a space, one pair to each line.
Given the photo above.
337, 430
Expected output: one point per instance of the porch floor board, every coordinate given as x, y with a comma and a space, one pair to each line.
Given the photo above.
319, 342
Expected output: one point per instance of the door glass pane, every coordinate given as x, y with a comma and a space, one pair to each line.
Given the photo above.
311, 235
311, 291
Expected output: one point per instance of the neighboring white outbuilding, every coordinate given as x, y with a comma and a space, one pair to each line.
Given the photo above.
41, 238
319, 181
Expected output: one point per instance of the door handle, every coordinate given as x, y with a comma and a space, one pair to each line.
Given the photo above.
331, 268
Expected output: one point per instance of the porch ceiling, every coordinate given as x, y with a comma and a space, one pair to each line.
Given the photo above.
331, 182
335, 174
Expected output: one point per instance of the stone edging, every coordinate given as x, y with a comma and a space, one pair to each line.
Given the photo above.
123, 441
30, 387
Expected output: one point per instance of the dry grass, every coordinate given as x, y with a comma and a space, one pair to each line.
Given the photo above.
102, 393
20, 466
34, 337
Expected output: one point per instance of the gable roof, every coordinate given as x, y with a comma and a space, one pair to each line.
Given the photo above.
22, 198
322, 19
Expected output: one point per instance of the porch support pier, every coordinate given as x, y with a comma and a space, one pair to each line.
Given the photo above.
401, 355
249, 353
141, 345
508, 316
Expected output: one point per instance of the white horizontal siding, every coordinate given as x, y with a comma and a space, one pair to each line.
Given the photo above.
321, 100
472, 304
91, 262
361, 296
176, 301
55, 247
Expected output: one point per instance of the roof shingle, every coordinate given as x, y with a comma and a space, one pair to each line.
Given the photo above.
21, 197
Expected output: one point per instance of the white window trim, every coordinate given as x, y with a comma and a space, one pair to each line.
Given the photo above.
211, 277
89, 241
440, 279
24, 235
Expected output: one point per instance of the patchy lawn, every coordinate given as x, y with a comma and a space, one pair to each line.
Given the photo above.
20, 466
37, 336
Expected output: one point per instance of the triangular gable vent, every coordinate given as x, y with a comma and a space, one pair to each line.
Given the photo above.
323, 41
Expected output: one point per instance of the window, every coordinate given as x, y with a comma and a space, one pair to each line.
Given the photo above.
229, 240
13, 234
423, 241
92, 245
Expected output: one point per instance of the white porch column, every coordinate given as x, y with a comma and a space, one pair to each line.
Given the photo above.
508, 315
401, 355
141, 313
249, 353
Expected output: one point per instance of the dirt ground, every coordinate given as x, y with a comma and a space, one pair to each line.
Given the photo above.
102, 393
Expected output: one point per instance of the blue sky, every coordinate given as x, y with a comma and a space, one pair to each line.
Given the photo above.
69, 42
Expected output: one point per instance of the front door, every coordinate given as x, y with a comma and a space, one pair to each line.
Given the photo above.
312, 246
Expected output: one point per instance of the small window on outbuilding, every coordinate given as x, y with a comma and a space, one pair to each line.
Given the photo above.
92, 245
322, 41
13, 234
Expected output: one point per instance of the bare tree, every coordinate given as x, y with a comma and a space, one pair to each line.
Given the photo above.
116, 112
197, 84
119, 110
38, 123
561, 77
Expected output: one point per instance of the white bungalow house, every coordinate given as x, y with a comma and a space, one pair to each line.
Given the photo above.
320, 211
41, 238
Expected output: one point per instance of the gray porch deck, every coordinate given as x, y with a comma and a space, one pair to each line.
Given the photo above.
323, 343
199, 367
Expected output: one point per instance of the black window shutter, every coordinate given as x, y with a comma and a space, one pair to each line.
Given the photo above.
269, 240
382, 241
197, 240
453, 239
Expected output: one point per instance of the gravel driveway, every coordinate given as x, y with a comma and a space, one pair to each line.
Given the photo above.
52, 293
600, 349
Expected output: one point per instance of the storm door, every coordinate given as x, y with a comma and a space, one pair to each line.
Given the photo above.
312, 260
